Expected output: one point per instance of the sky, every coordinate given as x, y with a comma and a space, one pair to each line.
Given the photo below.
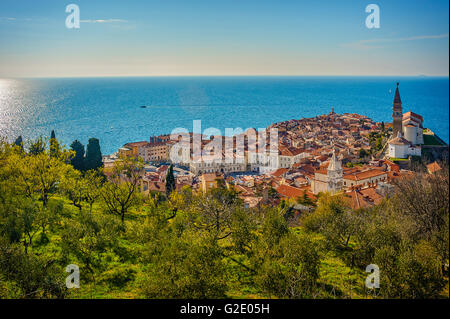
223, 37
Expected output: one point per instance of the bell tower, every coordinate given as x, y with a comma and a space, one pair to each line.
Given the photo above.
397, 114
334, 175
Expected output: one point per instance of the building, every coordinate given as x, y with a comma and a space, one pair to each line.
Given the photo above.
135, 149
156, 151
400, 147
397, 113
407, 131
328, 179
217, 164
364, 178
412, 124
210, 181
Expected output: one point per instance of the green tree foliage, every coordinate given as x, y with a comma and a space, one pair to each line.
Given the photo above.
192, 244
121, 192
78, 159
40, 173
73, 185
213, 211
31, 276
37, 146
291, 270
184, 268
334, 219
93, 181
19, 142
87, 237
170, 181
93, 158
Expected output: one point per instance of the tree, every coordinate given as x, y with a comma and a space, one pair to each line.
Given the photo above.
87, 236
409, 272
78, 160
40, 173
291, 270
37, 146
55, 148
305, 200
425, 200
93, 182
213, 211
19, 142
170, 181
187, 268
334, 219
93, 155
120, 193
73, 186
33, 276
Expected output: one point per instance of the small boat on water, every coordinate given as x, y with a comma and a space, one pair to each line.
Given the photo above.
143, 106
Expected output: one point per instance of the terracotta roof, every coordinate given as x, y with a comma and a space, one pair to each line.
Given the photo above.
293, 192
358, 176
363, 198
137, 144
412, 115
279, 172
433, 167
399, 141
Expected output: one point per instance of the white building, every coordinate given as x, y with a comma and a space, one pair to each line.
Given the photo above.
266, 162
217, 164
329, 179
412, 128
399, 147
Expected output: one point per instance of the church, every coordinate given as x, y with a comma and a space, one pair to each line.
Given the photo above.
328, 179
407, 131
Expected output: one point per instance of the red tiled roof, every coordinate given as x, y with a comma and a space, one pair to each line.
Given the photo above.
294, 192
433, 167
137, 144
412, 115
279, 172
358, 176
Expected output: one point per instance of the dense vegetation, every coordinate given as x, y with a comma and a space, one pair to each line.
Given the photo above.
56, 211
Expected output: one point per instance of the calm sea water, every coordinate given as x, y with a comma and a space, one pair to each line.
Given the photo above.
109, 108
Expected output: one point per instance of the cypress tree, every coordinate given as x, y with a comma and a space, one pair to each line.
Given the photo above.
19, 142
93, 158
78, 160
54, 145
170, 181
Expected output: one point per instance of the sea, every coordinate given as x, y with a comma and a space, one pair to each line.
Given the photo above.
118, 110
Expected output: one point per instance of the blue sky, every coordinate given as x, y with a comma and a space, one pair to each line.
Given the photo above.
223, 37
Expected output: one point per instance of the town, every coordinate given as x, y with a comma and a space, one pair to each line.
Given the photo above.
296, 160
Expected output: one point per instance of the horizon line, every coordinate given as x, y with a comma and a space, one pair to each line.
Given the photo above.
220, 75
